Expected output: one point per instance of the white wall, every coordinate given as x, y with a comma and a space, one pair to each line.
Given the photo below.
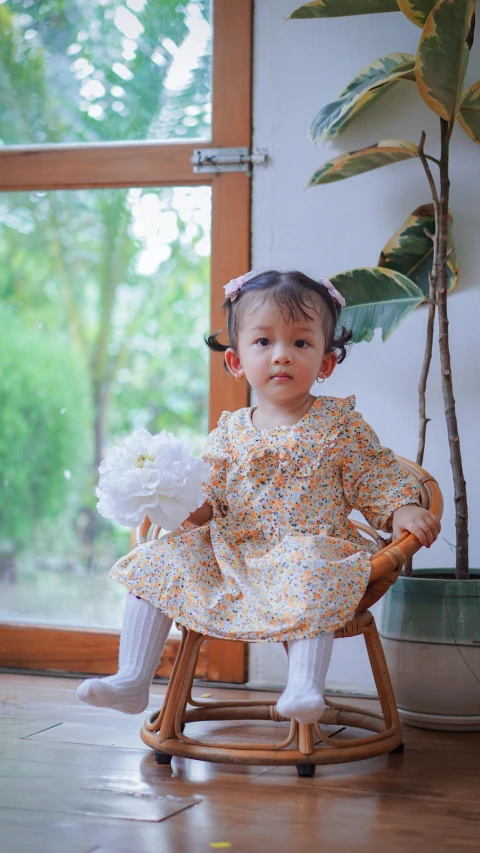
298, 67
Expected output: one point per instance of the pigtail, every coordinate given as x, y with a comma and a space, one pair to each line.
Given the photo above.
215, 345
342, 343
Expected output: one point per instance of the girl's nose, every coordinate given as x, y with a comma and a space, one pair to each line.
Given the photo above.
282, 355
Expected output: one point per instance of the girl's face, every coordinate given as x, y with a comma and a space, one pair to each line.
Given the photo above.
281, 359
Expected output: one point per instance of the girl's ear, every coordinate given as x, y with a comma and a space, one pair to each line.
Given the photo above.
329, 363
233, 363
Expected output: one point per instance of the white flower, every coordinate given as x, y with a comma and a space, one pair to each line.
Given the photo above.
152, 475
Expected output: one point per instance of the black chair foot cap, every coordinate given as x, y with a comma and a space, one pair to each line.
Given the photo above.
162, 758
306, 770
399, 750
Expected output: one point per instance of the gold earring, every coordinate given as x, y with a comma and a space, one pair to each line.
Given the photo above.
239, 376
321, 378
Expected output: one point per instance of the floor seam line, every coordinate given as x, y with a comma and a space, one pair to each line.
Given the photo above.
47, 729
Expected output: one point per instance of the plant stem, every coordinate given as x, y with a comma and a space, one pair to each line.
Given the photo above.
433, 278
460, 491
422, 385
427, 357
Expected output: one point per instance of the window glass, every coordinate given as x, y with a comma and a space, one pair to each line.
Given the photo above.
104, 303
104, 70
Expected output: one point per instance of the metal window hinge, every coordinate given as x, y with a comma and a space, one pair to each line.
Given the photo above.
228, 159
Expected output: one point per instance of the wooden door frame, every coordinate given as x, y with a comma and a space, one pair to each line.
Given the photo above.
139, 164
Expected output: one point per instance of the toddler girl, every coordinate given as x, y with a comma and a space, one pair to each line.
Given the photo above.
273, 555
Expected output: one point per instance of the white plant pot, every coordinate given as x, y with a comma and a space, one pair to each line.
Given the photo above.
430, 630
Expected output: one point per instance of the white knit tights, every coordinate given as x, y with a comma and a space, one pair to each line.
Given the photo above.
144, 632
308, 662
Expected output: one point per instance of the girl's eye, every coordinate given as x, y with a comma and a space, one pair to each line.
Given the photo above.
302, 344
263, 342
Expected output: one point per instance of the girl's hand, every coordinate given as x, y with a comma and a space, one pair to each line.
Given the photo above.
423, 523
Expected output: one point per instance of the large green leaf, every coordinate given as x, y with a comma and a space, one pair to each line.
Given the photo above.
469, 115
340, 8
442, 56
375, 79
410, 250
364, 160
377, 298
417, 11
375, 72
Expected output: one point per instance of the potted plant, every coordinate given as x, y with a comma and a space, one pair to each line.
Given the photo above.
431, 618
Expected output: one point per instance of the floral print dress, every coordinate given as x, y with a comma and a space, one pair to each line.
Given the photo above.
279, 559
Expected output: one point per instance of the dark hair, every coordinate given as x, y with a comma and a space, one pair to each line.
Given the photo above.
294, 293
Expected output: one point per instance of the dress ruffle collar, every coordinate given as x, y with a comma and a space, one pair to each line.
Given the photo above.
301, 446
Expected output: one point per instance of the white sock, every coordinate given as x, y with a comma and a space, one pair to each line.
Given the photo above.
308, 662
144, 632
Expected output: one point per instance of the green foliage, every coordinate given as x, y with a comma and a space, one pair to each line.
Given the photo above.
44, 434
372, 81
382, 297
352, 163
410, 249
441, 62
376, 299
339, 8
443, 54
117, 279
417, 11
90, 71
469, 115
73, 260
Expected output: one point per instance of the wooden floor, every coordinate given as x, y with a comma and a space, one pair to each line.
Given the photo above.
75, 779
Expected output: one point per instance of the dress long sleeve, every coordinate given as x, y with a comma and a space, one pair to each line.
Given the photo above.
372, 479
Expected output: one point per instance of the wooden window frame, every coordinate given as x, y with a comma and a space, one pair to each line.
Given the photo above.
141, 164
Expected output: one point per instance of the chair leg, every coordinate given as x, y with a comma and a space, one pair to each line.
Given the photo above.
180, 683
305, 738
382, 676
159, 719
306, 770
162, 758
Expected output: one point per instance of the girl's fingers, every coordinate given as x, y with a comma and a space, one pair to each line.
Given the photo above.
431, 531
423, 533
426, 528
434, 525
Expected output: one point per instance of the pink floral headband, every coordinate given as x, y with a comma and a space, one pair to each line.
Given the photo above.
233, 287
334, 293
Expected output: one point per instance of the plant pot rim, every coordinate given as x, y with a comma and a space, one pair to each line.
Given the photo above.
440, 584
439, 576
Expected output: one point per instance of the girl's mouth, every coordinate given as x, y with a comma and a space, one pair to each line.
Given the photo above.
281, 377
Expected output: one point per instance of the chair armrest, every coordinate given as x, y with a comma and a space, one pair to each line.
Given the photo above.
394, 555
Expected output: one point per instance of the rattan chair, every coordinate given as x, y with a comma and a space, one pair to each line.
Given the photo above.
163, 731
